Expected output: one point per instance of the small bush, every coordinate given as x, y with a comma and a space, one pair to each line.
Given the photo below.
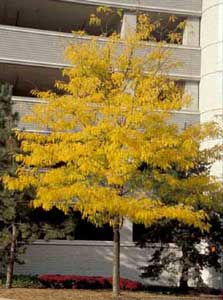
22, 281
86, 282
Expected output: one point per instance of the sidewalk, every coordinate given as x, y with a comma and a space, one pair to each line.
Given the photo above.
52, 294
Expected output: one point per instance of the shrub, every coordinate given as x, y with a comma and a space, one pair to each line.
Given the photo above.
86, 282
22, 281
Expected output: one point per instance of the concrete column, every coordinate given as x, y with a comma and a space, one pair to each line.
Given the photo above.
191, 35
192, 89
211, 85
129, 24
126, 234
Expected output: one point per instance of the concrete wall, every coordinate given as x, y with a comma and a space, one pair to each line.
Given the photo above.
84, 258
211, 85
183, 118
46, 48
190, 7
95, 258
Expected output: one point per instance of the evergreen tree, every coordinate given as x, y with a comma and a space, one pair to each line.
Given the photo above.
187, 238
9, 200
199, 250
19, 223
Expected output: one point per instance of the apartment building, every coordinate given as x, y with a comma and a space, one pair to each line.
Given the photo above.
33, 36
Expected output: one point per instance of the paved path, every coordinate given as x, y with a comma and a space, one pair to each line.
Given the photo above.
164, 297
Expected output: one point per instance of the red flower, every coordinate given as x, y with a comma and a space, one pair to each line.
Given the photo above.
87, 282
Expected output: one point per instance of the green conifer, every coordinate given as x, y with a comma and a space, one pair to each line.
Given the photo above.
20, 224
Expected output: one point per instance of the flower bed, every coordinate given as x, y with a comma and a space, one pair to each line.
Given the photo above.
86, 282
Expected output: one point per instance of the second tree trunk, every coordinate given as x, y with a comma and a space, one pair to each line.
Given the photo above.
10, 266
116, 259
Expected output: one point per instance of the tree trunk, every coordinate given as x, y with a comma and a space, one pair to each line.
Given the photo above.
116, 259
184, 278
185, 270
10, 267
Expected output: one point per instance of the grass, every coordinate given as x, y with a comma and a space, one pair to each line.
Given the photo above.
52, 294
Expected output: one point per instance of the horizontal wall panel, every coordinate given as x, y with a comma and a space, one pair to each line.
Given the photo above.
94, 258
29, 46
85, 259
184, 118
24, 107
189, 7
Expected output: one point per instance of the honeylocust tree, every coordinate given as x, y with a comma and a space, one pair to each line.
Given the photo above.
110, 115
101, 21
166, 28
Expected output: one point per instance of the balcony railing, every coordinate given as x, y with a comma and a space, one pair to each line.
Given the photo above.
45, 48
186, 7
24, 105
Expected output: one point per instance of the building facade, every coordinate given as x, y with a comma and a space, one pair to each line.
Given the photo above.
33, 36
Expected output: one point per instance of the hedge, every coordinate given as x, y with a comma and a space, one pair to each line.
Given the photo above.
86, 282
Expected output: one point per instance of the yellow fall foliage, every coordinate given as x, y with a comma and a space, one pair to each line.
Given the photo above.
112, 114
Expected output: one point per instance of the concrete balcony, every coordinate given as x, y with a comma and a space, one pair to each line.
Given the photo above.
186, 7
24, 105
26, 77
25, 46
52, 15
48, 12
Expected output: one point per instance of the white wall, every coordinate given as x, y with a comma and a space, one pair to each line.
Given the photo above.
85, 258
211, 85
95, 258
